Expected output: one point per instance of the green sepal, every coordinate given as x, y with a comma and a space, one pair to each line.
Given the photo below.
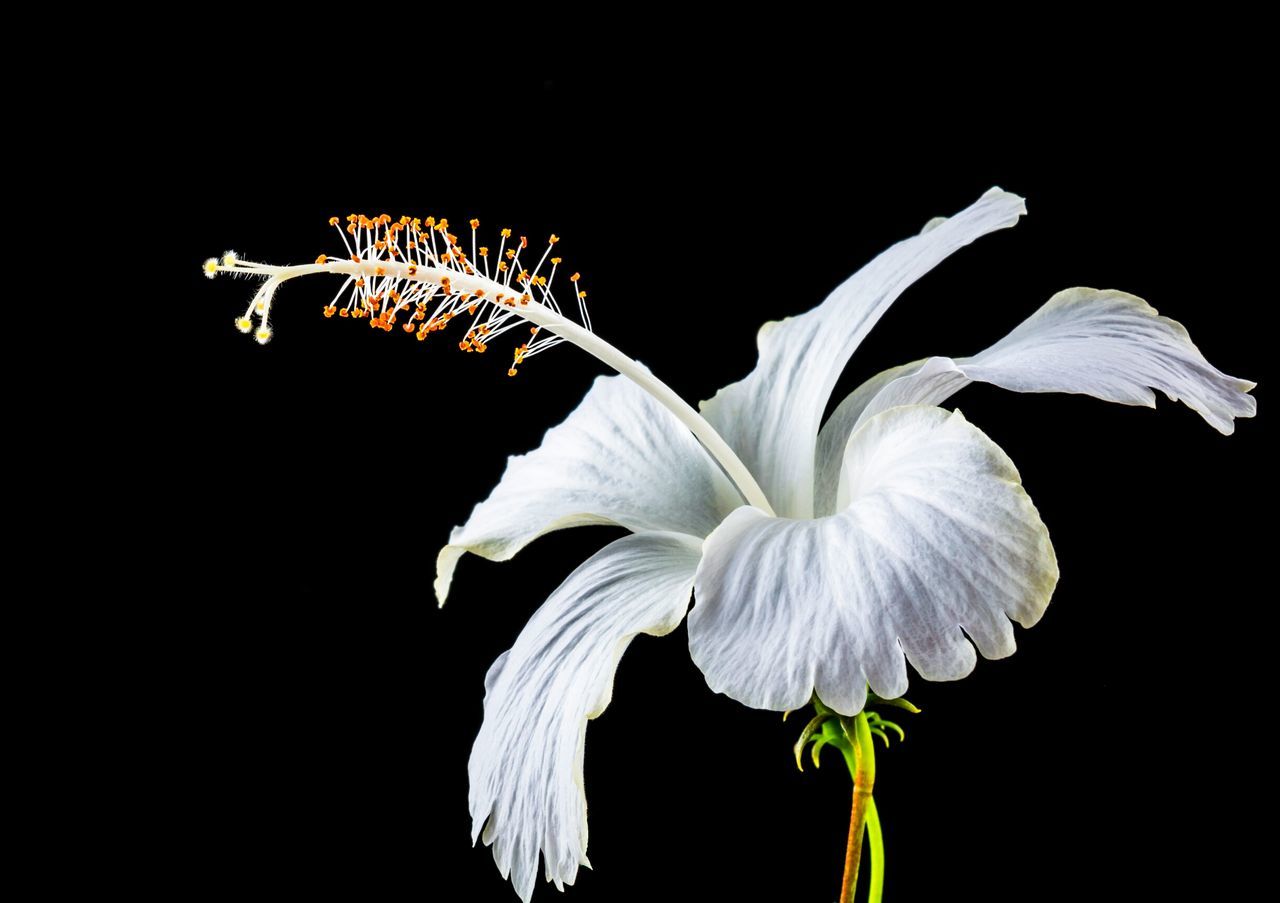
805, 736
899, 702
817, 748
879, 722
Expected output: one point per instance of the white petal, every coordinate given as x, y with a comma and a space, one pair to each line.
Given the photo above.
939, 538
771, 417
620, 458
1107, 344
526, 766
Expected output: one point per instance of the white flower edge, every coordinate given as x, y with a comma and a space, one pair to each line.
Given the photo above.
619, 458
1105, 343
939, 539
771, 417
526, 787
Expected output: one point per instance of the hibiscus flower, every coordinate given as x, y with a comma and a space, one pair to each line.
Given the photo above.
822, 556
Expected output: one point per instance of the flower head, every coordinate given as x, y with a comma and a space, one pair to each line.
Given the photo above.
823, 556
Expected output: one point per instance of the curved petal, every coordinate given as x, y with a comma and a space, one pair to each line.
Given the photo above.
771, 417
526, 766
1108, 344
939, 538
620, 458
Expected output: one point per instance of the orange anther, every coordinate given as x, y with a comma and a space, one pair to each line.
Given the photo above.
408, 327
352, 228
524, 242
506, 233
360, 282
475, 223
333, 221
471, 308
511, 372
554, 238
575, 277
464, 345
330, 310
484, 252
582, 294
413, 269
380, 271
321, 259
343, 312
555, 261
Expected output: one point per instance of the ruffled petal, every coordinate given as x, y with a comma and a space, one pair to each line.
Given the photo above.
526, 791
771, 417
1107, 344
620, 458
939, 539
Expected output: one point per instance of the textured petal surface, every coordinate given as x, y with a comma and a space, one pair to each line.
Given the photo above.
939, 539
1107, 344
526, 766
771, 417
620, 458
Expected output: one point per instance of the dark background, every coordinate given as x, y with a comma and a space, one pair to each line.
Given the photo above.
309, 710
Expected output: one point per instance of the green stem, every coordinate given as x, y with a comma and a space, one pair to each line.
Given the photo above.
863, 769
876, 840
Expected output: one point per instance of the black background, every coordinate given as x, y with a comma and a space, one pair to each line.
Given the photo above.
312, 708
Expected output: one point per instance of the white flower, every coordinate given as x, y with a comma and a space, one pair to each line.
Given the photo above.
823, 560
894, 530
